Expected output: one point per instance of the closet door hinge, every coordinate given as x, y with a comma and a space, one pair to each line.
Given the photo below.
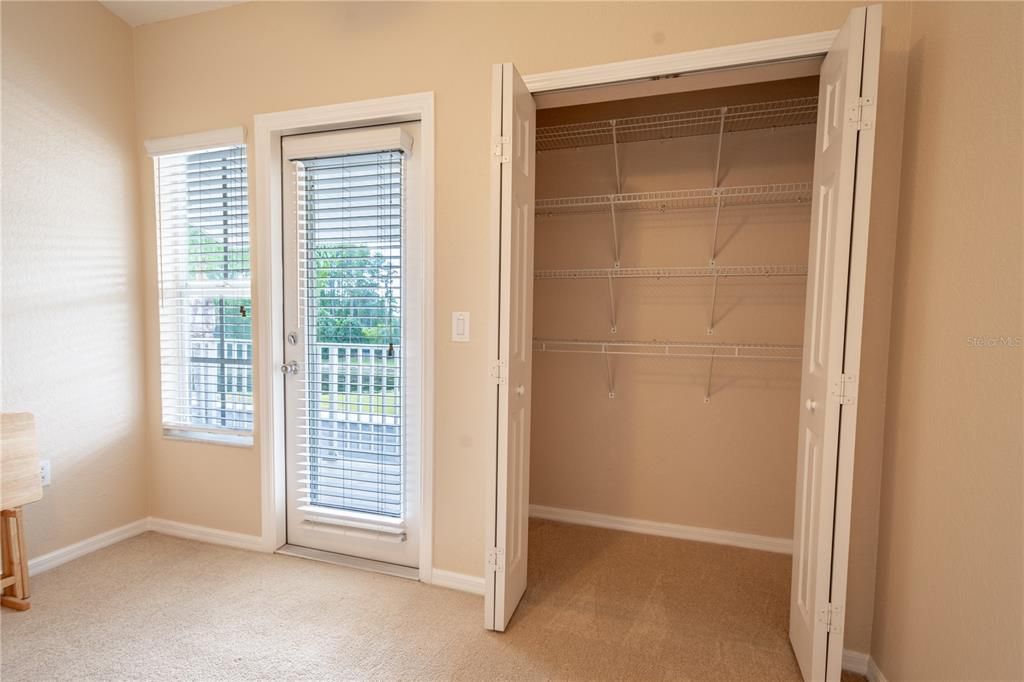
862, 114
832, 616
498, 371
845, 389
496, 560
501, 149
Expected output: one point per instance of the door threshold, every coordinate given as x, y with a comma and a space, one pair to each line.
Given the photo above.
350, 561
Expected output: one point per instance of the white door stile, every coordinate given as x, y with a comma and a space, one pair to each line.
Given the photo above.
854, 334
835, 300
513, 149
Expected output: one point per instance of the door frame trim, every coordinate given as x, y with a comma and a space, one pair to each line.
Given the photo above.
726, 57
268, 296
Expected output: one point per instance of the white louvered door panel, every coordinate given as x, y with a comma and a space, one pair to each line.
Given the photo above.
352, 475
513, 125
834, 310
205, 301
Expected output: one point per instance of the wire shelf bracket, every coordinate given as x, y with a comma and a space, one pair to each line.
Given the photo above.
611, 376
711, 312
611, 304
615, 235
707, 385
615, 152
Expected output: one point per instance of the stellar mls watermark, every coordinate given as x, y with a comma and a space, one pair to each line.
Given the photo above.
995, 341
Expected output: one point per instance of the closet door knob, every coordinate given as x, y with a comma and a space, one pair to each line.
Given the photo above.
811, 405
520, 389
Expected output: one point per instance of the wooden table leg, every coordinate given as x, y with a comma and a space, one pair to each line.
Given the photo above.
15, 561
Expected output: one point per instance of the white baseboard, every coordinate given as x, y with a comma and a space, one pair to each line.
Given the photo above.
441, 578
182, 530
862, 664
204, 534
670, 530
63, 555
457, 581
874, 674
855, 661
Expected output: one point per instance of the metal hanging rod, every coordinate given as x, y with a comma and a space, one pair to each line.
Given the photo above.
668, 273
758, 116
671, 349
788, 193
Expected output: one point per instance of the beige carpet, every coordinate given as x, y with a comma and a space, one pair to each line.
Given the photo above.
601, 605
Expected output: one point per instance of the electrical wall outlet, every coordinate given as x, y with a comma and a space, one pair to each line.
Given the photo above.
44, 471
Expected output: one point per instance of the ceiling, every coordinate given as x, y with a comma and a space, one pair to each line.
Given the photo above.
138, 12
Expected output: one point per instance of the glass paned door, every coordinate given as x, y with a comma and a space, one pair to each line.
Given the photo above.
351, 470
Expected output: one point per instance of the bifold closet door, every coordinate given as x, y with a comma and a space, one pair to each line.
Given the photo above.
831, 351
512, 192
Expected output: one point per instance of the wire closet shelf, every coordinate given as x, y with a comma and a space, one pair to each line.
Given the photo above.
730, 119
787, 193
671, 349
675, 272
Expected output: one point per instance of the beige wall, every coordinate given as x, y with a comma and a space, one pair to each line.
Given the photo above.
949, 596
951, 504
220, 68
72, 324
657, 451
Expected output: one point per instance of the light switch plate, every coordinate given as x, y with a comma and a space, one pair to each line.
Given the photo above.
44, 471
460, 327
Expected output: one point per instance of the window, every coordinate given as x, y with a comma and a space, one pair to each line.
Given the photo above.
206, 353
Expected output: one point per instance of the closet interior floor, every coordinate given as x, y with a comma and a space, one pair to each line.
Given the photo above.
645, 607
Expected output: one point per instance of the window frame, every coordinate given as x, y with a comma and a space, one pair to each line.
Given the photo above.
189, 144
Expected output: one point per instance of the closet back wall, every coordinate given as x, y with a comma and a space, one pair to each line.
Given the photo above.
656, 451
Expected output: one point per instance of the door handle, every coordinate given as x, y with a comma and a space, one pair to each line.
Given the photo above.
520, 389
811, 404
290, 368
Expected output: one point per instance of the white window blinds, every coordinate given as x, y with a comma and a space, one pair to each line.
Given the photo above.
205, 295
350, 244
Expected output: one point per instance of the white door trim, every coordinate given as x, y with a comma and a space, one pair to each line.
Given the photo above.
266, 220
729, 56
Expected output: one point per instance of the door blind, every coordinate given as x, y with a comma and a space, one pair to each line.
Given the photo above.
205, 299
350, 419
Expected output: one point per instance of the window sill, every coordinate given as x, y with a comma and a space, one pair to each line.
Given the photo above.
231, 440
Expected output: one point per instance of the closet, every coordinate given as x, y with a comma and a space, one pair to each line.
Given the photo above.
680, 252
670, 263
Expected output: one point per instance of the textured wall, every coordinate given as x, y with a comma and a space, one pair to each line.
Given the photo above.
949, 595
72, 323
